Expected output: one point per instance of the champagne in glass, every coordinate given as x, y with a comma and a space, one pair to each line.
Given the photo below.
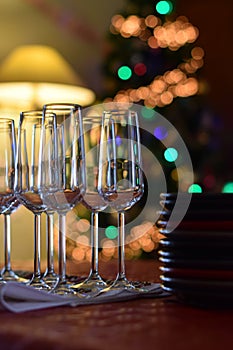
64, 181
27, 181
8, 200
92, 199
121, 179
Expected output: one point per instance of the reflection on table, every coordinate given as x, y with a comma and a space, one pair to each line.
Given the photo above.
150, 323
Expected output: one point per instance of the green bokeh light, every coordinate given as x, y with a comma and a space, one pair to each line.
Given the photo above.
195, 188
111, 232
148, 113
164, 7
124, 72
170, 154
228, 187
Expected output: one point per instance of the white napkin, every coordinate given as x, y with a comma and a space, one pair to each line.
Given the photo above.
17, 297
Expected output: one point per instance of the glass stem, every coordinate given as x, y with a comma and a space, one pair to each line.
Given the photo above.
121, 245
37, 237
62, 247
50, 242
7, 242
94, 243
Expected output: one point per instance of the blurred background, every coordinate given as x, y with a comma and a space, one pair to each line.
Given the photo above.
173, 57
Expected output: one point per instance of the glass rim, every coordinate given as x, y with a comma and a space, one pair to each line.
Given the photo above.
62, 106
32, 112
6, 120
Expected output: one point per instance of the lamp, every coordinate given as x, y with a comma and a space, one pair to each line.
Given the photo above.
32, 75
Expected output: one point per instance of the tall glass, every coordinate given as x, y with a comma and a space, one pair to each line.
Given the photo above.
8, 200
27, 181
121, 179
92, 199
64, 180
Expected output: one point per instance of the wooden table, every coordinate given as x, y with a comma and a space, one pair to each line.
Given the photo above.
161, 324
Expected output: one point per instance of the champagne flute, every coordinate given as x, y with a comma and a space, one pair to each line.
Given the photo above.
67, 187
121, 179
27, 181
8, 200
92, 200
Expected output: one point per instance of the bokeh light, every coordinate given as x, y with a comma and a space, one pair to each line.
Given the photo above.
111, 232
228, 187
160, 132
209, 181
152, 42
179, 82
124, 73
151, 21
147, 113
170, 154
195, 188
164, 7
140, 69
197, 53
118, 140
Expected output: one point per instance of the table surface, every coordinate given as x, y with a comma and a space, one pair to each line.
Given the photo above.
160, 324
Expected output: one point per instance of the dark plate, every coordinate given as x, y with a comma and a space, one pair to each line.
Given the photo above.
198, 196
195, 243
199, 230
200, 274
207, 263
203, 204
199, 202
211, 285
197, 254
199, 215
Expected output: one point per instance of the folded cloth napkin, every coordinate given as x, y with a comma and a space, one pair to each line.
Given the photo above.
17, 297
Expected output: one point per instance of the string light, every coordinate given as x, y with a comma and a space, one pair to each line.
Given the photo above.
151, 21
164, 7
147, 113
209, 181
228, 187
195, 188
174, 175
173, 35
111, 232
140, 69
175, 83
160, 132
143, 237
170, 154
124, 72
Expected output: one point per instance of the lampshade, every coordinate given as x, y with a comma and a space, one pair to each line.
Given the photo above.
33, 75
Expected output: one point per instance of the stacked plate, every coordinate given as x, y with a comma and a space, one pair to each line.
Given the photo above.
197, 255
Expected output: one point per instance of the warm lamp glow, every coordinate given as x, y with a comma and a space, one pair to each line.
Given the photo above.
33, 75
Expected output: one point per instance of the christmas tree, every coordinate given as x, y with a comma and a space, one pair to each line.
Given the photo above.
152, 59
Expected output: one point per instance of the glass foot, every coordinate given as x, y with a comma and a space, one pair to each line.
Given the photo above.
91, 285
51, 279
2, 281
64, 288
11, 276
122, 283
39, 283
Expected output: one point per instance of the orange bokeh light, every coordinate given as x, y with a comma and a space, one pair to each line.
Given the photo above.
151, 21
